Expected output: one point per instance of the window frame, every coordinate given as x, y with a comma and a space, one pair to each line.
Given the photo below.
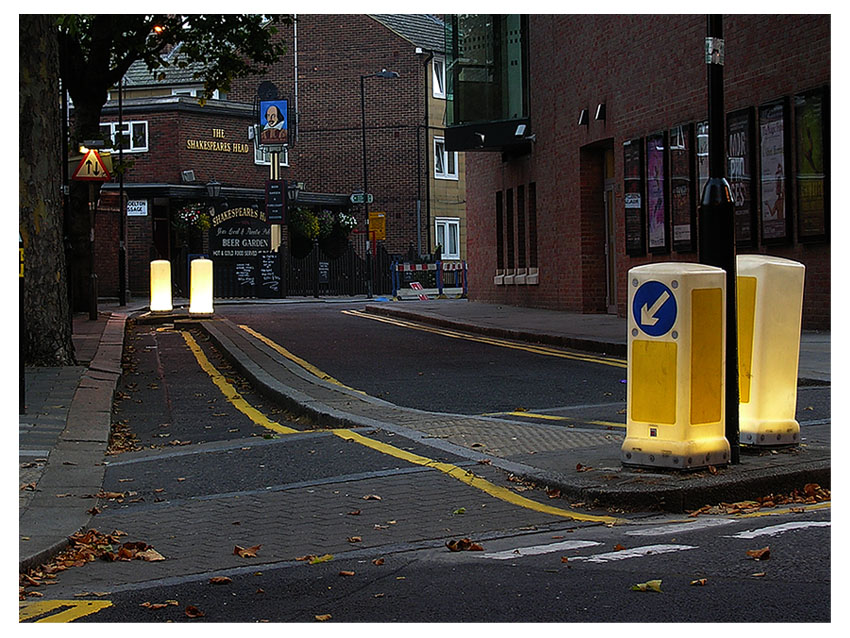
261, 156
113, 130
443, 155
438, 77
448, 223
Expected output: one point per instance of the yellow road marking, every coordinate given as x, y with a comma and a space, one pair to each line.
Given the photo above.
309, 367
554, 417
69, 609
471, 479
551, 352
787, 510
230, 393
452, 470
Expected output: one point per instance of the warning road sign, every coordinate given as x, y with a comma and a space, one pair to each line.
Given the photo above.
91, 168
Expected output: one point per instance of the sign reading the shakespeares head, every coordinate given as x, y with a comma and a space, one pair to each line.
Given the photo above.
240, 232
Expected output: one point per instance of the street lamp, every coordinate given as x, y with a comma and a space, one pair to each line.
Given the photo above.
213, 189
385, 75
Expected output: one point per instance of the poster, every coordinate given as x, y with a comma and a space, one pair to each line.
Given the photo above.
655, 200
739, 169
773, 170
811, 164
682, 205
633, 197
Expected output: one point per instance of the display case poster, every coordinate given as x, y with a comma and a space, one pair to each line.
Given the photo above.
702, 159
740, 161
773, 170
811, 164
656, 205
682, 204
633, 197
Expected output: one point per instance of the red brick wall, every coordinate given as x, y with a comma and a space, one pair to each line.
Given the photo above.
650, 73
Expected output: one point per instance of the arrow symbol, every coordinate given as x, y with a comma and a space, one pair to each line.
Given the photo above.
647, 313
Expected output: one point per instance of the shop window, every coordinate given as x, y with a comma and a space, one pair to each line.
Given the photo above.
445, 162
448, 236
132, 137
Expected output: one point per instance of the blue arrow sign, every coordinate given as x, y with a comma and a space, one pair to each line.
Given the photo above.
654, 308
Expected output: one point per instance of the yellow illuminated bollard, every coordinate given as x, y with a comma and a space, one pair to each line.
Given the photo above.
676, 367
770, 309
201, 287
161, 286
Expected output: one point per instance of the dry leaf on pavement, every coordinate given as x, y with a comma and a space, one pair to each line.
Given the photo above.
700, 582
464, 544
354, 539
372, 497
193, 612
759, 554
323, 617
346, 572
246, 552
650, 585
220, 580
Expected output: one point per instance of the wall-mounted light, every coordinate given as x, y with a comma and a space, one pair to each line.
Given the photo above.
600, 113
161, 286
583, 118
520, 130
201, 287
213, 189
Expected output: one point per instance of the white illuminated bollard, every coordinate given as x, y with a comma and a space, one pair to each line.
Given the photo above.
161, 286
676, 367
770, 309
201, 287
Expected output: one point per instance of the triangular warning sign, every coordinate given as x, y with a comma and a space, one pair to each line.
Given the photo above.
91, 168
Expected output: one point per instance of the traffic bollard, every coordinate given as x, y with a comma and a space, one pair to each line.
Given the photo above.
201, 287
161, 286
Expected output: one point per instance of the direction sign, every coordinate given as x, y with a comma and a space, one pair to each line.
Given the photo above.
361, 198
91, 168
654, 308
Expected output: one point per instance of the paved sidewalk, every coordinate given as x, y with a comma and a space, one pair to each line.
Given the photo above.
64, 435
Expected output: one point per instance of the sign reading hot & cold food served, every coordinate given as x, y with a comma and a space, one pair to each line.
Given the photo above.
237, 237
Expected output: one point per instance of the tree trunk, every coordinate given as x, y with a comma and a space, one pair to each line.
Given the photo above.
46, 312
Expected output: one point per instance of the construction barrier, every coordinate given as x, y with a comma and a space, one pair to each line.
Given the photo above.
444, 273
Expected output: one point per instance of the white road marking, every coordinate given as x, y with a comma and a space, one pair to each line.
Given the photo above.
773, 530
539, 549
635, 552
680, 528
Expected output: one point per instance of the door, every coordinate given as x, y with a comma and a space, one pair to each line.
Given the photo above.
610, 252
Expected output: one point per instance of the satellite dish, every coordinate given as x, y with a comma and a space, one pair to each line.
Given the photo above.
267, 91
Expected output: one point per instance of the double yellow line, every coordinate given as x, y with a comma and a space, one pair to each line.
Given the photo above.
502, 343
465, 476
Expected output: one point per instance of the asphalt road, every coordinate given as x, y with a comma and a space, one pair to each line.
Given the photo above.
208, 474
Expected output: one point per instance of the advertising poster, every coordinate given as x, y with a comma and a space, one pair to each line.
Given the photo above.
655, 202
740, 161
682, 205
633, 197
811, 164
773, 165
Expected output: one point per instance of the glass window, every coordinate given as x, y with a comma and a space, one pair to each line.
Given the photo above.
445, 162
263, 157
132, 137
447, 230
439, 77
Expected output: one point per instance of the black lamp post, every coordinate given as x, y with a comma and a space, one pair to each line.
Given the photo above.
386, 75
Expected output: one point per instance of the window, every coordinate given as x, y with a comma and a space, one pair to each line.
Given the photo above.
439, 77
194, 92
448, 236
445, 162
133, 138
263, 157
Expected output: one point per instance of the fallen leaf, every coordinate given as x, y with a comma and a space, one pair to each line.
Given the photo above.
712, 469
378, 561
346, 573
464, 544
321, 559
354, 513
700, 582
459, 510
379, 595
150, 555
564, 559
582, 468
194, 612
372, 497
354, 539
618, 548
323, 617
759, 554
650, 585
553, 493
220, 580
246, 552
93, 511
758, 574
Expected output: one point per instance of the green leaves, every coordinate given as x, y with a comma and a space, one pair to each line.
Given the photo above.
650, 585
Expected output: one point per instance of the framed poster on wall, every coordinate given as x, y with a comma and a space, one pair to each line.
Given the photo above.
633, 197
656, 201
773, 147
739, 133
682, 187
812, 151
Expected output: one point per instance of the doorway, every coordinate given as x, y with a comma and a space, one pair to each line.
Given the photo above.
610, 241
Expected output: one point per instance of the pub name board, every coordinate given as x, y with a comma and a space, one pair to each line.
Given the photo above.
218, 144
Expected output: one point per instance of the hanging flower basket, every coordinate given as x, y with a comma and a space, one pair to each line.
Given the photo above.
192, 216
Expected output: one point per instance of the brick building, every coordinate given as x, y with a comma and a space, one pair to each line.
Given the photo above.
179, 144
596, 128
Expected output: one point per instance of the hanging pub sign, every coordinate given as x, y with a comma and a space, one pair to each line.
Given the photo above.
633, 197
774, 169
739, 131
682, 187
812, 161
239, 232
655, 193
274, 122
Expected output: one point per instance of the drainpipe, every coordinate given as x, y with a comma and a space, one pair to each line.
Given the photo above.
295, 51
428, 147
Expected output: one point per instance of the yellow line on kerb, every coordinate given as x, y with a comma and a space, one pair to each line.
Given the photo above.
309, 367
230, 392
550, 352
454, 471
